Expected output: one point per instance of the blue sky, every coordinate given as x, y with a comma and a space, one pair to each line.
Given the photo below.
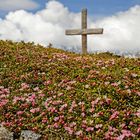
95, 7
48, 25
99, 7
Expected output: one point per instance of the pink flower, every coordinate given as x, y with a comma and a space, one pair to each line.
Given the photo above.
108, 135
43, 113
72, 82
56, 102
49, 99
83, 114
69, 130
138, 93
41, 95
52, 109
54, 96
121, 137
138, 113
33, 96
108, 101
60, 94
114, 115
112, 129
93, 84
36, 89
94, 102
56, 119
3, 123
55, 125
31, 99
73, 124
20, 112
84, 126
79, 133
84, 122
20, 124
89, 129
74, 104
3, 96
138, 130
98, 126
100, 113
127, 133
16, 99
123, 125
6, 91
38, 109
47, 82
3, 102
44, 120
63, 107
35, 110
8, 124
131, 123
91, 110
24, 86
114, 84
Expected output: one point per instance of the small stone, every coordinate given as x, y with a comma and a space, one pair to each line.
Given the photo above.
5, 134
86, 86
29, 135
134, 75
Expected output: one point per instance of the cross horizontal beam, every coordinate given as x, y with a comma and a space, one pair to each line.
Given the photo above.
84, 31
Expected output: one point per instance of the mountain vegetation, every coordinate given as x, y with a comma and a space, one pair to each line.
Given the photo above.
61, 94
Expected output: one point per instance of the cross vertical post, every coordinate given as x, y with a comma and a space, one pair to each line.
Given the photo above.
84, 27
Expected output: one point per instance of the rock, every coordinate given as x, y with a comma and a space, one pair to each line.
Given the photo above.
29, 135
5, 134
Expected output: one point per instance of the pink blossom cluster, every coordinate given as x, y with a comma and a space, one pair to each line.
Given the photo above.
4, 94
114, 115
24, 86
60, 56
35, 110
125, 134
51, 110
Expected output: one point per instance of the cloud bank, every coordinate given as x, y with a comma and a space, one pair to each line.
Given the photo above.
7, 5
121, 31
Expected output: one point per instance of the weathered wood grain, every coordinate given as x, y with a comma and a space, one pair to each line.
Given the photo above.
84, 26
84, 31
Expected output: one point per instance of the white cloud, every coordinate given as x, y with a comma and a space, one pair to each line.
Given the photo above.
7, 5
121, 31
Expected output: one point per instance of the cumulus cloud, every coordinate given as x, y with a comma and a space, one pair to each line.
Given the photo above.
7, 5
121, 31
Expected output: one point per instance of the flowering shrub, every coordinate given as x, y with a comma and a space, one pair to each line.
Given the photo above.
67, 95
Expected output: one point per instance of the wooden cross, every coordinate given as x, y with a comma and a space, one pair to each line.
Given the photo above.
84, 31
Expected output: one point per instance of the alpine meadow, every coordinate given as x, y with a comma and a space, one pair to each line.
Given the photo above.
69, 70
64, 95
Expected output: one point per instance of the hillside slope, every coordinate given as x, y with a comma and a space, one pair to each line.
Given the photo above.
62, 94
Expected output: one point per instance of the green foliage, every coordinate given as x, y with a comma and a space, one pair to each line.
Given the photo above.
68, 95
